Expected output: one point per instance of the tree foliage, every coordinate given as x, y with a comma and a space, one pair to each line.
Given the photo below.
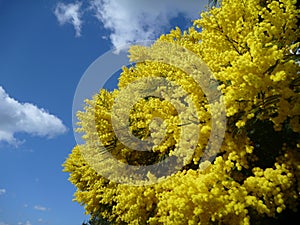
251, 48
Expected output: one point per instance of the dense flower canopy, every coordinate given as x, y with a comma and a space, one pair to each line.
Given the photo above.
255, 175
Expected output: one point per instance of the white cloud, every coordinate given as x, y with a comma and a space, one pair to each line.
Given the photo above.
69, 13
25, 117
27, 222
2, 192
2, 223
41, 221
132, 20
40, 208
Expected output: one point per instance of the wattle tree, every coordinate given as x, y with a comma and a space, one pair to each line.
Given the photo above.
252, 49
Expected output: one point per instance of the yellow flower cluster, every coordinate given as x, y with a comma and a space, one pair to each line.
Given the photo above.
188, 197
250, 49
251, 53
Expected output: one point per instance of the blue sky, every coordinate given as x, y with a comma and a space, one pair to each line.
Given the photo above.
45, 48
